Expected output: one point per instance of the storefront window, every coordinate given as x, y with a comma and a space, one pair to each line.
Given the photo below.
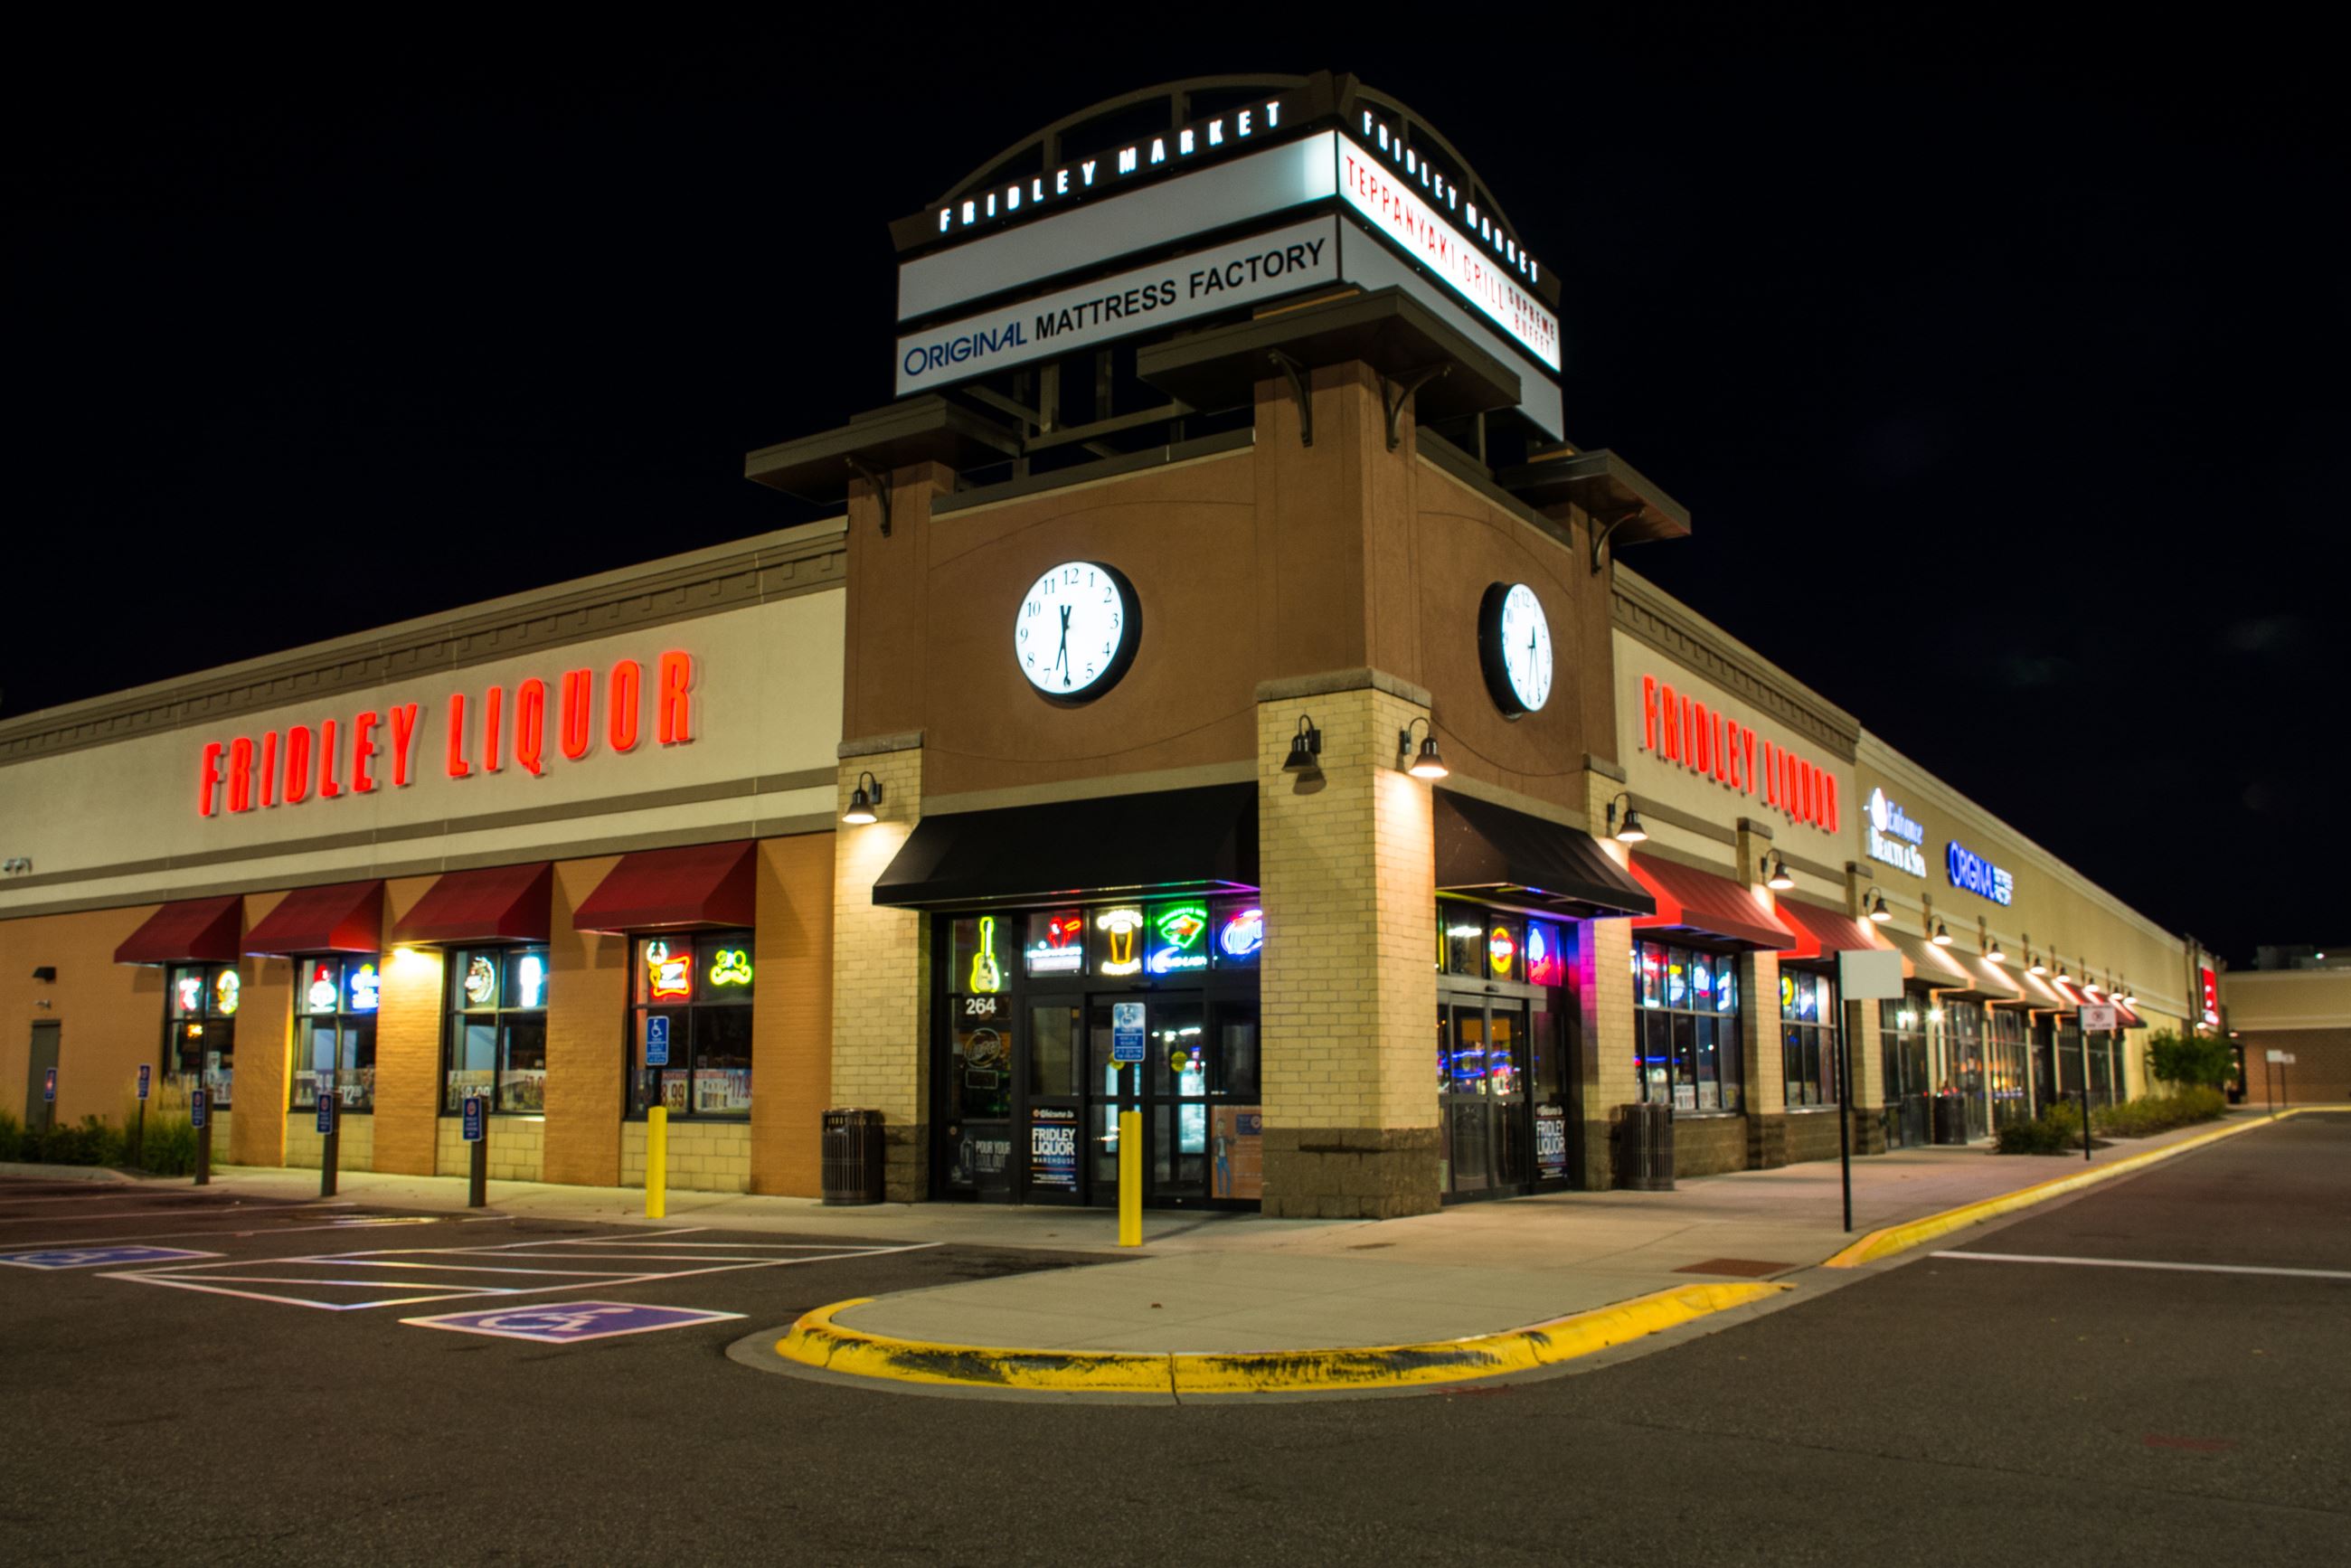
689, 1021
334, 1031
200, 1028
1808, 1037
496, 1040
1963, 1058
1902, 1048
2010, 1064
1687, 1020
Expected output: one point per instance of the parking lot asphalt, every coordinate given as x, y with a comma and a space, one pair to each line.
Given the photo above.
1945, 1409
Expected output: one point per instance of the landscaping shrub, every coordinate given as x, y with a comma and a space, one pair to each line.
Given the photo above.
169, 1147
2190, 1061
12, 1136
2152, 1113
2041, 1136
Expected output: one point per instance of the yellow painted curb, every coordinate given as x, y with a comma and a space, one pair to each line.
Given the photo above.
816, 1341
1901, 1237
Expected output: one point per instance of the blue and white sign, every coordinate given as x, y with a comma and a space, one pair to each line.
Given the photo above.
570, 1323
1894, 836
49, 1082
198, 1104
326, 1111
472, 1118
1126, 1032
657, 1042
96, 1257
144, 1071
1980, 876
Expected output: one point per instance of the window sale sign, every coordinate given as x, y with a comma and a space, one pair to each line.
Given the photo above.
487, 730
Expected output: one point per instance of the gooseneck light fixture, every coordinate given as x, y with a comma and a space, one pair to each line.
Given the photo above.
1428, 763
1942, 937
1875, 903
1992, 950
1776, 876
1305, 748
1628, 829
2032, 963
862, 801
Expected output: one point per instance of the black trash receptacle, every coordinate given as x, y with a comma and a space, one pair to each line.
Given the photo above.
851, 1156
1951, 1119
1645, 1148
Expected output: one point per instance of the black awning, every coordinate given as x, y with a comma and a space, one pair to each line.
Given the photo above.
1482, 848
1170, 840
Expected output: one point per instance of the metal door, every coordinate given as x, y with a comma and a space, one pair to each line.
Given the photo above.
39, 1112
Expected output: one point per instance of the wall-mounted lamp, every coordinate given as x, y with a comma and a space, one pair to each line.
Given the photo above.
1942, 937
861, 803
46, 973
2032, 963
17, 866
2064, 975
1427, 763
1629, 830
1992, 949
1305, 748
1874, 901
1775, 873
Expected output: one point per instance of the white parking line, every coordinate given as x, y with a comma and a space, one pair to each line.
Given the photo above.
414, 1262
2133, 1263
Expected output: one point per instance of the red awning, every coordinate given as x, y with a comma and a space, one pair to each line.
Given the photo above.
192, 931
501, 903
345, 918
1822, 933
704, 884
1694, 900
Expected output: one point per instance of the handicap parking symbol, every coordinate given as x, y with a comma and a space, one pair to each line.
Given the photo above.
570, 1323
96, 1257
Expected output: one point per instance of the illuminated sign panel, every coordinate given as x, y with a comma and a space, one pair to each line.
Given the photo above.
379, 746
1977, 875
1466, 266
1179, 934
1680, 729
1057, 942
2208, 985
1895, 837
1241, 272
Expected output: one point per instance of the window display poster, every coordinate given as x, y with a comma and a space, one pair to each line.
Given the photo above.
1053, 1147
1550, 1142
1237, 1135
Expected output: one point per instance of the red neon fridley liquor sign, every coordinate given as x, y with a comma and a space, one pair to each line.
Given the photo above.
1678, 728
487, 730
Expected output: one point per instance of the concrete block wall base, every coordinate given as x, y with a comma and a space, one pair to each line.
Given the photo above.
1350, 1173
1868, 1135
906, 1161
1708, 1145
1592, 1167
1767, 1140
1809, 1135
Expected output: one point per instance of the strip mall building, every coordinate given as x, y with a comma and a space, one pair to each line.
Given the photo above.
1217, 671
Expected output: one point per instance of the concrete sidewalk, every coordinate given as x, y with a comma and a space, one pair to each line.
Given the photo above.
1214, 1283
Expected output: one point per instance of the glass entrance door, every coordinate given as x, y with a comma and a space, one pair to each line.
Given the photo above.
1484, 1125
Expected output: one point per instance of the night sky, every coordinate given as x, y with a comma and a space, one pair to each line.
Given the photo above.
2003, 374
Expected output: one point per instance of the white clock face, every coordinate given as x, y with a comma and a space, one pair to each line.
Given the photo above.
1525, 638
1075, 630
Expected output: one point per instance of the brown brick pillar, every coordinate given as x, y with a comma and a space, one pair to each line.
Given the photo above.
791, 1023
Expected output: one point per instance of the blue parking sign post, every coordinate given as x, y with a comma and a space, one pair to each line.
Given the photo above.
200, 1118
139, 1127
330, 1139
477, 1126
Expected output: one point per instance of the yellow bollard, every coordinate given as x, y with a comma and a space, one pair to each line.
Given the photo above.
657, 1162
1130, 1178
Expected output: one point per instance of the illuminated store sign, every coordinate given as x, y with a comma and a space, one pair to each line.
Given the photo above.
1980, 876
482, 980
1470, 266
191, 993
1893, 837
1681, 729
668, 976
319, 995
530, 979
1056, 944
1182, 930
2209, 994
730, 966
378, 745
1546, 964
365, 987
1243, 934
1241, 272
1122, 930
225, 986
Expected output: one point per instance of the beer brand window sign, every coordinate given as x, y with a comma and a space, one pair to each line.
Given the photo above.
1681, 729
530, 729
1057, 942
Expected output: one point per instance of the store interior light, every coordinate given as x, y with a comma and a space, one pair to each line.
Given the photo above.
1305, 748
1627, 828
1427, 763
1778, 881
861, 803
1942, 937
